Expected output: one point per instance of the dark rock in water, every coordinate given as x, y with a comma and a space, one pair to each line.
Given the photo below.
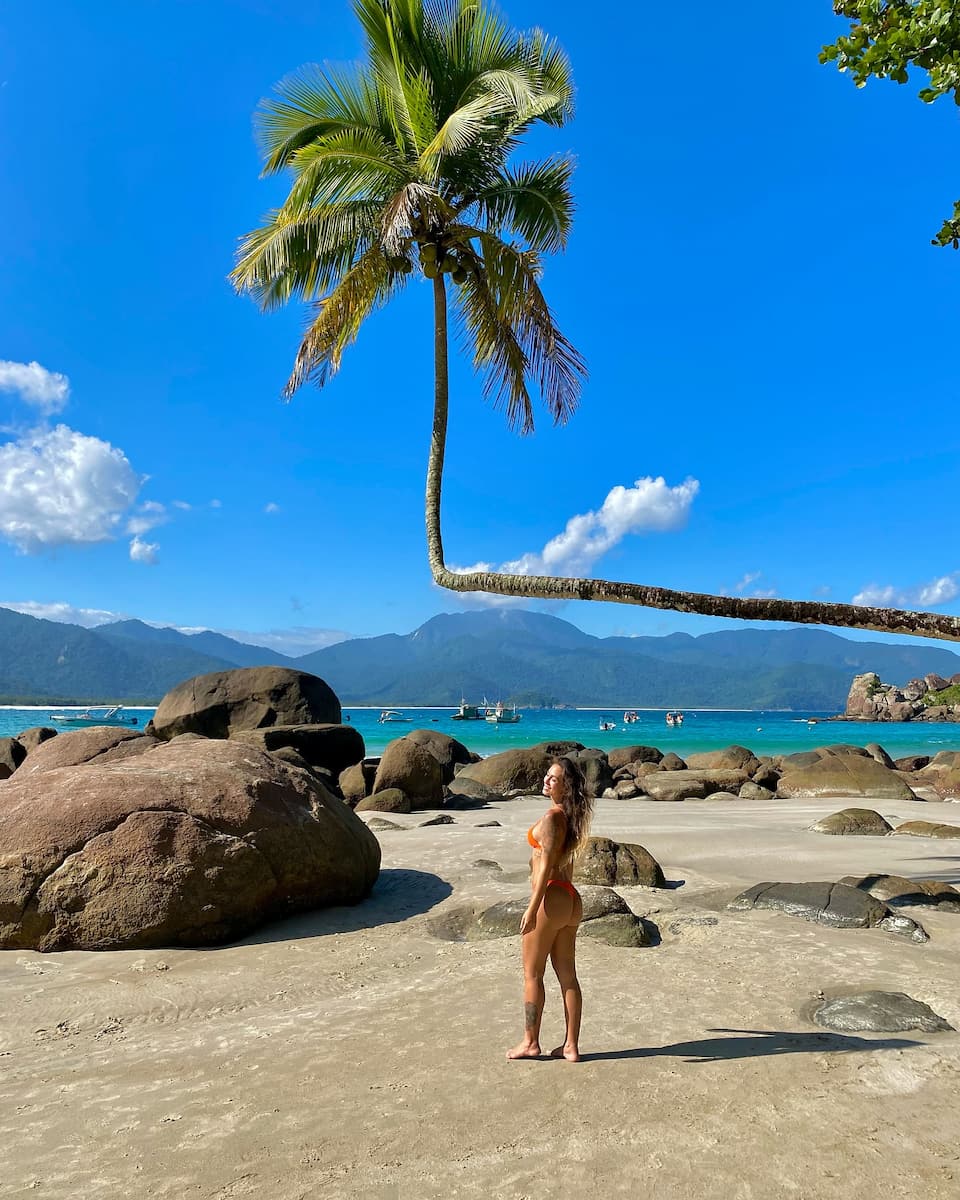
190, 844
332, 747
900, 892
853, 822
413, 769
879, 1012
99, 743
488, 825
12, 754
30, 738
448, 752
443, 819
833, 904
606, 862
223, 702
486, 864
929, 829
389, 800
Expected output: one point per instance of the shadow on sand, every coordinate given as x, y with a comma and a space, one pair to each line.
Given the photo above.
397, 895
754, 1043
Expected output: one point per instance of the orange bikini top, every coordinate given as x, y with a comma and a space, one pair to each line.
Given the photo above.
532, 840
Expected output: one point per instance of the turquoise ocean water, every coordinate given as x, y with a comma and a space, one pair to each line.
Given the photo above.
762, 732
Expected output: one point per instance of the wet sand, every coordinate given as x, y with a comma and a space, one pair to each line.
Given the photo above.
352, 1052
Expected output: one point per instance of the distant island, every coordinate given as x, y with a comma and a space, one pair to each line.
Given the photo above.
931, 698
527, 658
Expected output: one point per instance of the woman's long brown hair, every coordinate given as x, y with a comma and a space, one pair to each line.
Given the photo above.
576, 804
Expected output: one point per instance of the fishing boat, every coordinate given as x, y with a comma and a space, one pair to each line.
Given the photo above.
502, 714
468, 712
109, 715
390, 715
630, 717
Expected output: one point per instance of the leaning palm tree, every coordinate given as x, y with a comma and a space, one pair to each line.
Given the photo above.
404, 167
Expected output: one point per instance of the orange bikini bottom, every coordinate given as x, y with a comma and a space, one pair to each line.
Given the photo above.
566, 886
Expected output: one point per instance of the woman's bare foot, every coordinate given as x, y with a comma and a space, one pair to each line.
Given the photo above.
570, 1053
525, 1050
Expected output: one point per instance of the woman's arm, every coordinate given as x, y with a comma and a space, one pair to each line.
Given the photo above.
552, 835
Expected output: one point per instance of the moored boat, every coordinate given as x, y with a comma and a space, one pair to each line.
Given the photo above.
391, 714
468, 712
109, 715
503, 714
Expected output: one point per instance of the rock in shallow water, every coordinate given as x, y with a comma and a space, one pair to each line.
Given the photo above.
879, 1012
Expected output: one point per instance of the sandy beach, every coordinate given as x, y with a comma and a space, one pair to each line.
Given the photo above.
353, 1052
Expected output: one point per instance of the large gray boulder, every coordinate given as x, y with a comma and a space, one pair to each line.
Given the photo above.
517, 771
833, 904
929, 829
223, 702
12, 754
844, 775
30, 738
99, 743
623, 755
596, 770
333, 748
413, 769
691, 785
879, 1012
900, 892
607, 863
737, 758
855, 822
448, 752
190, 844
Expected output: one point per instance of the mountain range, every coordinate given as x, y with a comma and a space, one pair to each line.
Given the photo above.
524, 657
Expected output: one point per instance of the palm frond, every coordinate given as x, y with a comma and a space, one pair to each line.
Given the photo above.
366, 286
303, 254
535, 200
517, 304
311, 103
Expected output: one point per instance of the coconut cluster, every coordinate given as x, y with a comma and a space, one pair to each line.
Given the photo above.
436, 260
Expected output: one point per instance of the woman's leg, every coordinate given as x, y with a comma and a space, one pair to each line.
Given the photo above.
563, 957
534, 951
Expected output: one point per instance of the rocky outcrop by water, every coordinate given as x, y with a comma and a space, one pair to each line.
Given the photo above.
931, 698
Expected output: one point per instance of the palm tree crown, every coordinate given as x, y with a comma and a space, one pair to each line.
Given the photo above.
402, 166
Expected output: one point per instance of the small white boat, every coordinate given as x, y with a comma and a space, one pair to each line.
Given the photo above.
503, 714
391, 714
606, 725
110, 715
630, 717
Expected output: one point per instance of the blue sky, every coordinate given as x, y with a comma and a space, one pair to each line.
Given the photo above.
749, 278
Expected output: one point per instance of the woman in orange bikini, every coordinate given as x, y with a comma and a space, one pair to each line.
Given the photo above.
549, 925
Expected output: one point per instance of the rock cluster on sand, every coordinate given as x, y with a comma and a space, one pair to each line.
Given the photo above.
179, 835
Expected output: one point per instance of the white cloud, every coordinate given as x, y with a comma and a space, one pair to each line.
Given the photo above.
216, 504
649, 506
182, 504
148, 516
143, 552
295, 641
271, 508
59, 487
923, 595
65, 613
46, 390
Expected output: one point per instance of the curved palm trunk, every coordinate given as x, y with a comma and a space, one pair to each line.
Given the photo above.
551, 587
